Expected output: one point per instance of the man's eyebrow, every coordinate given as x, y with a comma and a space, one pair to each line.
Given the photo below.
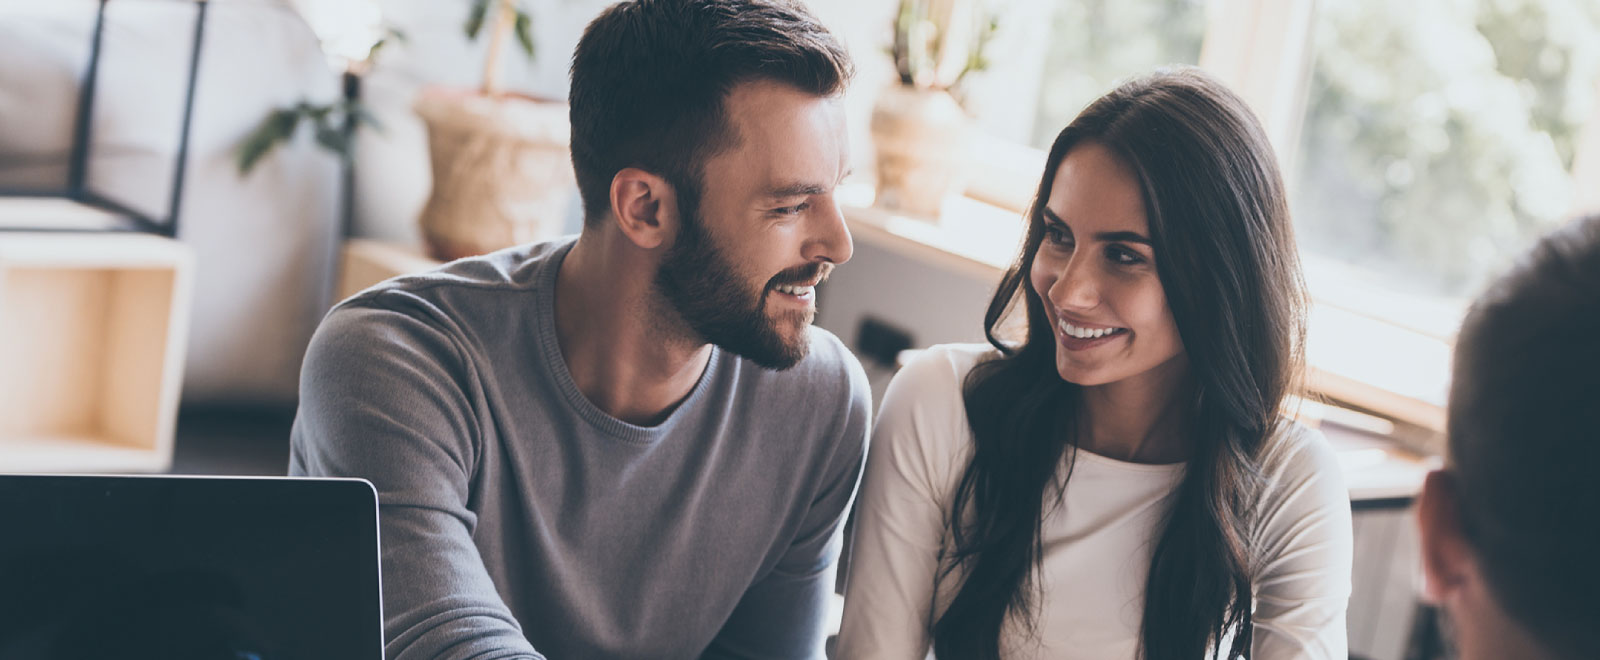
1106, 236
796, 190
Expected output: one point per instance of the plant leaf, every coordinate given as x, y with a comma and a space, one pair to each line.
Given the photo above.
372, 53
480, 8
334, 140
278, 126
363, 116
524, 30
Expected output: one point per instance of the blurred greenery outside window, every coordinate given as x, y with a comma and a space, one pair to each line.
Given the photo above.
1439, 140
1097, 43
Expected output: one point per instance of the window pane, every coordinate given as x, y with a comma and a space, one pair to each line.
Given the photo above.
1439, 136
1095, 43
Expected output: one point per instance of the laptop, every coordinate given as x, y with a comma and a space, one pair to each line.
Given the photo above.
188, 568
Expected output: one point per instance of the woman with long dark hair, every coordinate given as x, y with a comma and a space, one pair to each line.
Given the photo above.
1120, 482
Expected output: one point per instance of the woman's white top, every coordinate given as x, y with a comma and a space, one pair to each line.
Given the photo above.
1097, 545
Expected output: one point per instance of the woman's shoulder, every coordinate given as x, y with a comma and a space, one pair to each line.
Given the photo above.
944, 365
924, 406
1303, 477
933, 377
1298, 452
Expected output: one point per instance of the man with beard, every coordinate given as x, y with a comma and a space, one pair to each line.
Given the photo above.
632, 444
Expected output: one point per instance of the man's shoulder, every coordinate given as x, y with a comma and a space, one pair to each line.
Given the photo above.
519, 268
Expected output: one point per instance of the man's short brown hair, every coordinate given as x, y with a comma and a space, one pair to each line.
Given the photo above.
1525, 438
649, 78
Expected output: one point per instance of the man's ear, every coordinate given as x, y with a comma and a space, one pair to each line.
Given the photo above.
1447, 560
645, 207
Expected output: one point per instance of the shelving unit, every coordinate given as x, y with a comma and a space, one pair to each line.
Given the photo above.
93, 329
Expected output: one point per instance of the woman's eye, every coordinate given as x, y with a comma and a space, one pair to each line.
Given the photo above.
1123, 256
1057, 235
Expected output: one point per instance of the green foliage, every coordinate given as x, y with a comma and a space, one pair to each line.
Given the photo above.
524, 30
938, 42
522, 22
390, 35
1097, 43
333, 124
475, 16
1438, 140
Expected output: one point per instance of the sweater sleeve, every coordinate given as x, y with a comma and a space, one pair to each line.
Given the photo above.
1306, 548
387, 396
889, 597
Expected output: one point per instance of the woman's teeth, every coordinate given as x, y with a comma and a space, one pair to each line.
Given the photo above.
1086, 333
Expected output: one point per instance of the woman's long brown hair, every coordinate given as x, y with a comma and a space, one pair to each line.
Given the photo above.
1226, 258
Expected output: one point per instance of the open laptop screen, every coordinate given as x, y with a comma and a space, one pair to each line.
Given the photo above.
187, 568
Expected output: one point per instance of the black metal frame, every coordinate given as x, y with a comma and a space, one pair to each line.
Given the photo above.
77, 168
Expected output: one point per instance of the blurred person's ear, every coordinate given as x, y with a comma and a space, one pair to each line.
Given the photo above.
1448, 565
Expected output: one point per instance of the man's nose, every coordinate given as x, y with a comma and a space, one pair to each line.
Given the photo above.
830, 237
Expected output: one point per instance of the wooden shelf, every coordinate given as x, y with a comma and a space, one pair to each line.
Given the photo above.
93, 328
366, 262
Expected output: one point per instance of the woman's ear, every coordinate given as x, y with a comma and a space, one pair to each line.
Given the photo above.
1447, 560
644, 206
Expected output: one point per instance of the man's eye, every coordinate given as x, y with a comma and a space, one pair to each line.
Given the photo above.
792, 210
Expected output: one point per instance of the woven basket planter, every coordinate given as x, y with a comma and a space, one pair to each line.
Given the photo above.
502, 171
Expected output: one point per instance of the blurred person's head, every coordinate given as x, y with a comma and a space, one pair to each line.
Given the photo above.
1511, 525
710, 135
1159, 255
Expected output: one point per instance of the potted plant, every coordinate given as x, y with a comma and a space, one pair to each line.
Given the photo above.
502, 170
919, 128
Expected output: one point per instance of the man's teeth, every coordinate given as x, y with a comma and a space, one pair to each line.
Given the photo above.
795, 290
1086, 333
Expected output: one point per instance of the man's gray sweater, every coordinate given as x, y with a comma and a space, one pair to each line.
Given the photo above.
518, 520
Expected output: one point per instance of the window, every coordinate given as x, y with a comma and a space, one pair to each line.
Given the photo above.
1439, 140
1096, 43
1051, 58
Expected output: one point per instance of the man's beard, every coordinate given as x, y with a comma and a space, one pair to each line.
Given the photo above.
701, 284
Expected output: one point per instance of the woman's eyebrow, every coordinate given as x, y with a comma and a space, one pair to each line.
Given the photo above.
1107, 236
1123, 237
